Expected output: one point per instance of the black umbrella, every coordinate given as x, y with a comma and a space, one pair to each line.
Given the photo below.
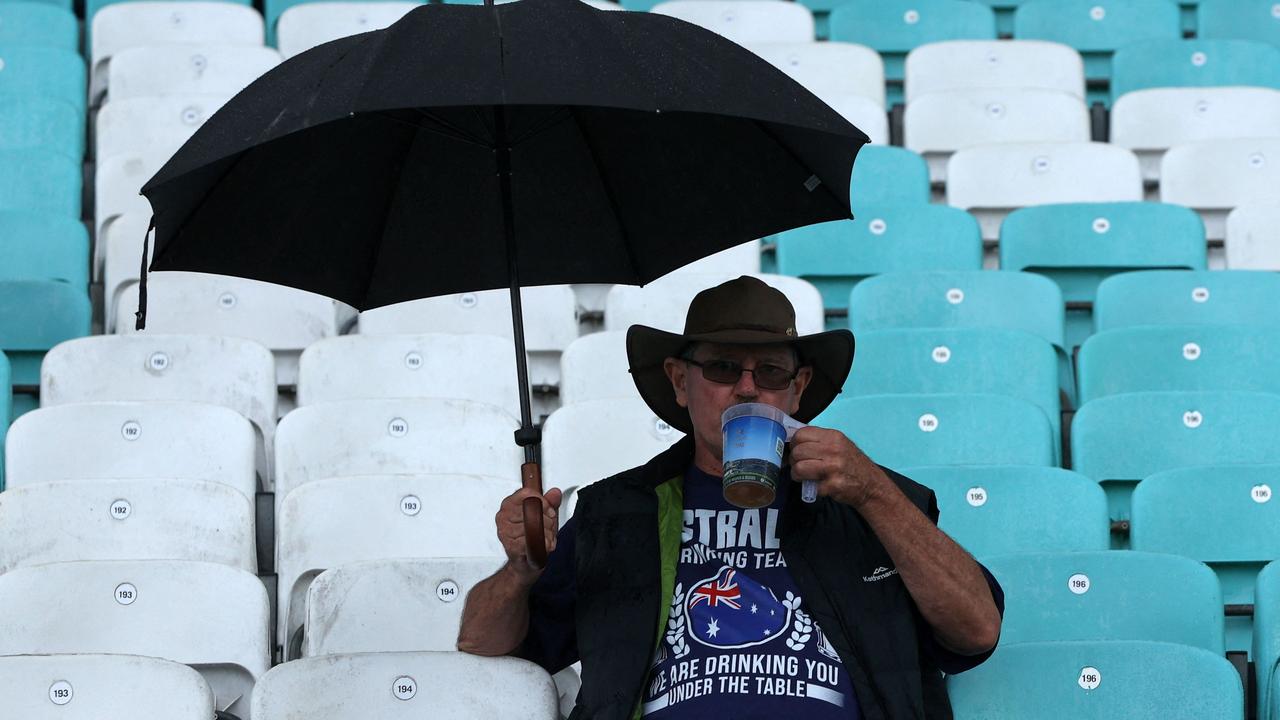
476, 147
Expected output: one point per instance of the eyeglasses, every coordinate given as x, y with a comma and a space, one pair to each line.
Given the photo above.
727, 372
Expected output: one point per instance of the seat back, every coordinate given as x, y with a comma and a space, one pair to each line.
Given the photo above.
39, 24
887, 175
301, 27
1241, 19
41, 246
128, 126
118, 182
993, 65
1266, 641
827, 68
745, 22
1179, 297
1214, 176
191, 70
1194, 63
1253, 237
895, 28
40, 179
35, 317
40, 123
49, 71
102, 687
595, 367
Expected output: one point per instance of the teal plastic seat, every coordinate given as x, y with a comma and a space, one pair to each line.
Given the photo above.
1121, 439
44, 71
273, 9
40, 180
895, 27
1266, 641
40, 246
35, 315
1097, 28
908, 430
1180, 297
1239, 19
835, 256
1191, 357
885, 175
959, 360
1225, 516
61, 4
1195, 63
1017, 509
40, 24
42, 123
1109, 595
1098, 680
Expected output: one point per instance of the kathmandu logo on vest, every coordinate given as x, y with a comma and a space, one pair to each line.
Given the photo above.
881, 573
731, 610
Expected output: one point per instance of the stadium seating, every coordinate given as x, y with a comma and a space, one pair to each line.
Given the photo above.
757, 21
36, 315
338, 520
395, 436
36, 122
835, 256
280, 318
993, 65
1097, 29
153, 440
595, 367
1240, 19
117, 181
1253, 237
102, 687
381, 606
992, 180
1096, 680
894, 28
382, 686
829, 68
231, 372
1017, 509
594, 439
120, 519
1266, 641
39, 24
42, 246
864, 113
907, 430
205, 70
1194, 63
741, 259
45, 71
463, 367
132, 126
1189, 357
939, 123
1179, 297
119, 259
40, 180
93, 6
1121, 439
664, 302
1108, 595
303, 26
886, 175
1214, 176
210, 616
125, 25
1223, 516
1151, 121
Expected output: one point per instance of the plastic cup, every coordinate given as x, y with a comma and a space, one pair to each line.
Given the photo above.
755, 437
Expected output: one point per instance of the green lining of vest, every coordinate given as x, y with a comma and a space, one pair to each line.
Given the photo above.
670, 524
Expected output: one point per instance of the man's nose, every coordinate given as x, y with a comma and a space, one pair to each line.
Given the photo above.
746, 385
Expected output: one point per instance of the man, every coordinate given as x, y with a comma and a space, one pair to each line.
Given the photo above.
679, 605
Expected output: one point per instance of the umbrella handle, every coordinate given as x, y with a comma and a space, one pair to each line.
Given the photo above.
535, 544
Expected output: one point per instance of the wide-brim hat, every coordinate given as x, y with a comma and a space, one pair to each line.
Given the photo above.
744, 311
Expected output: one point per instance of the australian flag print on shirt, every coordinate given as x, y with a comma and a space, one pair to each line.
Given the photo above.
739, 641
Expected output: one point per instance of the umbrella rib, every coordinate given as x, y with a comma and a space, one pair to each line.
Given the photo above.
764, 127
548, 121
445, 130
608, 191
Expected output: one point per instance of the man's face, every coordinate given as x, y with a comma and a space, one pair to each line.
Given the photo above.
707, 400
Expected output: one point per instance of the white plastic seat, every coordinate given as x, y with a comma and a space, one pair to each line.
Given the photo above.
595, 439
394, 436
744, 258
664, 302
137, 440
1214, 176
1152, 121
595, 367
829, 68
126, 25
335, 521
163, 70
939, 123
232, 372
305, 26
400, 686
117, 182
865, 115
209, 616
993, 65
119, 251
166, 519
745, 21
991, 180
282, 319
1253, 237
391, 605
550, 321
101, 687
440, 365
132, 126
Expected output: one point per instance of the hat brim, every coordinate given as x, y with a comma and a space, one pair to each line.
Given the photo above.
830, 354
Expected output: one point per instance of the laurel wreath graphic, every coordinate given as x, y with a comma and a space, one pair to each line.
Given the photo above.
675, 624
803, 626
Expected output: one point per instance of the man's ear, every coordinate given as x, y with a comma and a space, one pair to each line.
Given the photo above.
803, 376
677, 372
